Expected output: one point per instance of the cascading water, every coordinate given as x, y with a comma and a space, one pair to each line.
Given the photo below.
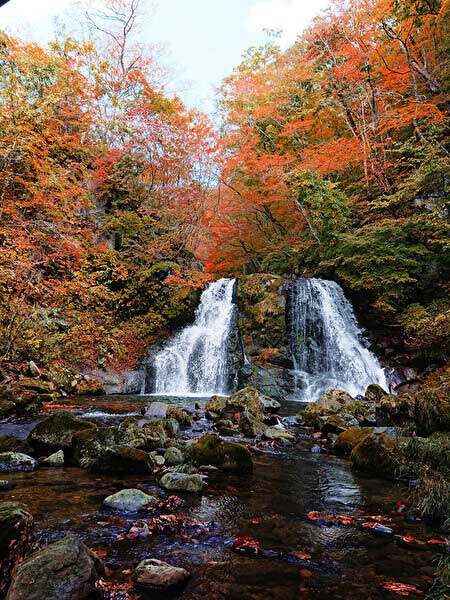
326, 344
195, 362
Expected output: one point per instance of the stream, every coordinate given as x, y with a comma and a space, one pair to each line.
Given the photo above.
270, 506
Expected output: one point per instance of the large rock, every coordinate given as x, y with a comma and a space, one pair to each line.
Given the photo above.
129, 500
152, 574
64, 570
250, 426
377, 454
229, 456
9, 443
56, 432
156, 410
374, 393
54, 460
16, 461
249, 399
173, 456
182, 482
348, 439
216, 404
334, 400
16, 539
101, 451
278, 433
396, 411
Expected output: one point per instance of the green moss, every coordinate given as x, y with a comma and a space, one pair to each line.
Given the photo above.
56, 431
377, 454
348, 439
213, 450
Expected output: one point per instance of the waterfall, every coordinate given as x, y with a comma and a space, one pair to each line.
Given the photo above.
326, 343
195, 362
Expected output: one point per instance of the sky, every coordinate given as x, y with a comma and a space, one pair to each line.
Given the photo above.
203, 39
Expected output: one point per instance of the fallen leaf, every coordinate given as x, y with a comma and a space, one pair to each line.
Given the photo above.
402, 589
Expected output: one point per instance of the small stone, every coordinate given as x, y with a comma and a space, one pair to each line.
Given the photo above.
7, 485
274, 433
129, 500
157, 574
182, 482
16, 461
54, 460
173, 456
34, 369
156, 410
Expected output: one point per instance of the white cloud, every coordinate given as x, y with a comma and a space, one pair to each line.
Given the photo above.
291, 16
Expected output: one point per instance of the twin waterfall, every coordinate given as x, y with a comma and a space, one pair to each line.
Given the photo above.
195, 362
326, 345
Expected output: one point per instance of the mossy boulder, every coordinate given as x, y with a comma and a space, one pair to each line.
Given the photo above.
374, 393
9, 443
36, 385
64, 570
173, 456
54, 460
16, 461
348, 439
337, 423
396, 411
16, 538
276, 433
156, 433
104, 450
216, 404
180, 415
249, 399
182, 482
377, 454
333, 400
153, 575
229, 456
7, 407
250, 426
56, 432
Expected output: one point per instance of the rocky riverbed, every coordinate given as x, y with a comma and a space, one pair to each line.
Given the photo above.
151, 500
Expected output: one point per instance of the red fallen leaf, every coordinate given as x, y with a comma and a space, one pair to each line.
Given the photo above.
246, 544
437, 542
302, 555
256, 521
314, 515
377, 518
409, 539
401, 506
101, 553
402, 589
346, 520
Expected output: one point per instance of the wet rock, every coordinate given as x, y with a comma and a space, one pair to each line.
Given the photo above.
16, 538
250, 426
16, 461
182, 482
216, 404
156, 410
7, 407
131, 434
377, 454
173, 456
348, 439
56, 432
229, 456
54, 460
9, 443
180, 415
270, 405
334, 400
129, 500
249, 399
156, 434
374, 393
64, 570
277, 433
36, 385
337, 423
6, 485
153, 574
395, 410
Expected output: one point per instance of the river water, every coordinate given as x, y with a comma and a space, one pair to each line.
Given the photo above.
270, 506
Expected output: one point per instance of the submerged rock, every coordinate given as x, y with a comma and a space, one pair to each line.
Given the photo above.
16, 538
16, 461
230, 456
56, 432
156, 574
64, 570
54, 460
129, 500
182, 482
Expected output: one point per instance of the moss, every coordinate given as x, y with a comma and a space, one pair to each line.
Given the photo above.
180, 415
348, 439
216, 404
7, 407
377, 454
374, 393
9, 443
56, 431
248, 399
213, 450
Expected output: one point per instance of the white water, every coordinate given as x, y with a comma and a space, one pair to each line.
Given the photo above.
327, 347
195, 362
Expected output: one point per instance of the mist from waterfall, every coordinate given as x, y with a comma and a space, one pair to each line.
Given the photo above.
195, 362
326, 343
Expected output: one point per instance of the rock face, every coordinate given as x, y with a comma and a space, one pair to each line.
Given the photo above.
16, 461
182, 482
129, 500
65, 570
16, 538
56, 432
229, 456
153, 574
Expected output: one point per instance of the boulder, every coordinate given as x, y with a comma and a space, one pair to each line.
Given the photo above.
16, 538
333, 400
180, 415
249, 399
374, 393
173, 456
396, 411
64, 570
156, 410
277, 433
54, 460
270, 405
56, 432
129, 500
9, 443
36, 385
16, 461
348, 439
105, 450
182, 482
7, 407
337, 423
155, 434
229, 456
152, 574
376, 453
216, 404
250, 426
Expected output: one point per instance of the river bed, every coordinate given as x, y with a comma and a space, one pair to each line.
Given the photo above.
332, 561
